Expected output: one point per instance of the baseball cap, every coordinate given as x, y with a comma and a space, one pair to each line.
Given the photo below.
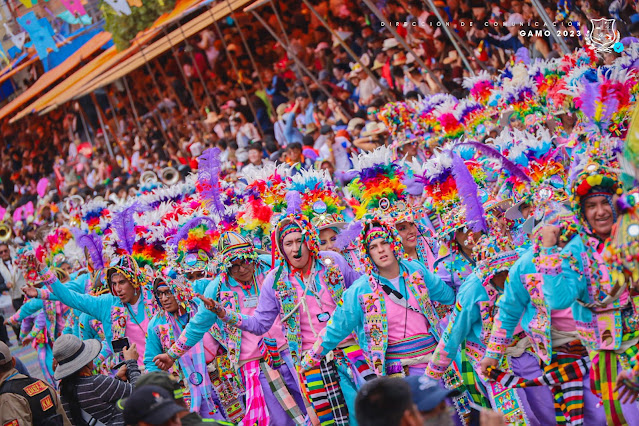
5, 354
325, 129
150, 404
161, 379
428, 393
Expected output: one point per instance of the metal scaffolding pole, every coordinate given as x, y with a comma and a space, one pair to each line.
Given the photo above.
450, 36
294, 57
406, 46
542, 12
239, 77
383, 88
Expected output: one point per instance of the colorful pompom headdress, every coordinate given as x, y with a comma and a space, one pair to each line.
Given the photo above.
293, 222
375, 228
182, 292
591, 180
193, 245
319, 198
378, 186
129, 268
233, 246
494, 254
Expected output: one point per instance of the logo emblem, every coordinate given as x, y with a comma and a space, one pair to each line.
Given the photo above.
46, 403
604, 35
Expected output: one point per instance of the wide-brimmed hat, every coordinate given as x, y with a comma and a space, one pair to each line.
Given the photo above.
355, 122
72, 354
377, 65
390, 43
374, 128
310, 128
399, 59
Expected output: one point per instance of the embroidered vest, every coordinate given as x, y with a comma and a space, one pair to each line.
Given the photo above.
119, 318
605, 331
417, 286
286, 292
540, 333
167, 339
96, 325
373, 306
375, 329
230, 301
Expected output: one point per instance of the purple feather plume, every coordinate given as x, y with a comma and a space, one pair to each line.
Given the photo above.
93, 244
208, 175
523, 55
512, 168
124, 225
348, 235
587, 99
183, 233
414, 186
293, 202
467, 188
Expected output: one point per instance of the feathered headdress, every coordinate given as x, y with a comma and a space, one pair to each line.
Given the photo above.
263, 200
92, 245
124, 226
208, 182
194, 244
55, 242
96, 215
378, 185
480, 86
319, 199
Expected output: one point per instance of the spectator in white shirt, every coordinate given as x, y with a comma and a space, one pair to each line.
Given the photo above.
246, 132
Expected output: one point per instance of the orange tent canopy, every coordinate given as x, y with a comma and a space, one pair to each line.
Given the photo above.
103, 63
51, 76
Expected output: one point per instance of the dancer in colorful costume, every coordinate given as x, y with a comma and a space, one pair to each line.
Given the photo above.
261, 363
125, 313
305, 290
390, 312
322, 204
577, 277
49, 320
551, 332
177, 308
470, 326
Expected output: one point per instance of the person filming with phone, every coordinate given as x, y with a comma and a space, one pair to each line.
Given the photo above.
89, 398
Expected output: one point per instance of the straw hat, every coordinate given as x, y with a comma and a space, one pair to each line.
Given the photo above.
73, 354
310, 128
399, 59
281, 110
377, 65
374, 128
390, 43
355, 122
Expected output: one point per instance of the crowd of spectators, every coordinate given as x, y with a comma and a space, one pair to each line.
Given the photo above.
208, 92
